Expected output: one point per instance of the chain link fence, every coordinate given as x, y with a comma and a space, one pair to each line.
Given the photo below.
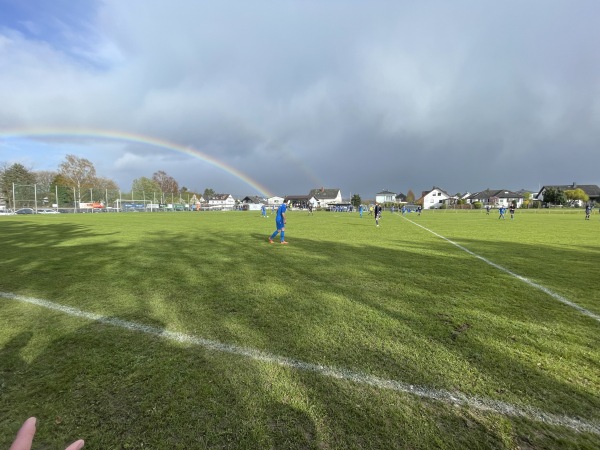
67, 199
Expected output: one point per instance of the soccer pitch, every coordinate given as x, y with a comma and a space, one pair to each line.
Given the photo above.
189, 330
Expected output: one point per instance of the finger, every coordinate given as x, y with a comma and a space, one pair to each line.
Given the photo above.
25, 435
76, 445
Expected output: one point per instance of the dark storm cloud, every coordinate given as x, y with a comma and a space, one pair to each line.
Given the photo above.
357, 95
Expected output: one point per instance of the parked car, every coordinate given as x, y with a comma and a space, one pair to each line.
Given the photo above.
25, 211
6, 212
47, 211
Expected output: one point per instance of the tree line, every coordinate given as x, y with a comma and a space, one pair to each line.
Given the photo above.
76, 177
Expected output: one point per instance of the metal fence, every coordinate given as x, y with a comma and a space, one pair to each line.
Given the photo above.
69, 199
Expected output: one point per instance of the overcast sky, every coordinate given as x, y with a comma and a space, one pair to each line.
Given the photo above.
357, 95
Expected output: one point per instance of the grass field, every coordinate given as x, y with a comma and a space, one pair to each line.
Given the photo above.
189, 330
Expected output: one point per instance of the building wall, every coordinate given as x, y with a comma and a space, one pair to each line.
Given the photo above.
434, 199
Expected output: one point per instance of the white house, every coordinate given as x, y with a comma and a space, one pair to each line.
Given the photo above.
496, 198
324, 197
254, 203
385, 196
275, 201
221, 201
433, 199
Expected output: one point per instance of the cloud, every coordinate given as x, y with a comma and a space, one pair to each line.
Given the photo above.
354, 95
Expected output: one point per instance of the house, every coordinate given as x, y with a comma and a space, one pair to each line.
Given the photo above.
253, 203
385, 196
400, 198
496, 198
221, 201
591, 190
433, 199
301, 201
197, 202
326, 196
275, 201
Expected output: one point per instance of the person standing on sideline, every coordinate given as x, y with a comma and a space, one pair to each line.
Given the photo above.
588, 211
377, 213
501, 211
511, 210
280, 222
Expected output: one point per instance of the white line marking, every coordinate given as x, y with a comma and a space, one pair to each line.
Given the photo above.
455, 398
533, 284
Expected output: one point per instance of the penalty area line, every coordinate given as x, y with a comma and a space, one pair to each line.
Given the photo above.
447, 397
525, 280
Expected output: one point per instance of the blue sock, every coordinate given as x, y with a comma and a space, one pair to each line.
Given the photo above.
273, 235
282, 233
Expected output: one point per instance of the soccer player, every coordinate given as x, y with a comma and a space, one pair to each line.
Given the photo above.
501, 211
511, 210
263, 210
377, 213
588, 211
280, 222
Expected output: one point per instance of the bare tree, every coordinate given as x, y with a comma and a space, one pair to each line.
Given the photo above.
166, 183
80, 173
44, 180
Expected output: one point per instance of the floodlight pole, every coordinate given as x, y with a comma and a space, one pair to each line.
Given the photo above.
35, 196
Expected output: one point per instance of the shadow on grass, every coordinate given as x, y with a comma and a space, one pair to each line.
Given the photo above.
313, 309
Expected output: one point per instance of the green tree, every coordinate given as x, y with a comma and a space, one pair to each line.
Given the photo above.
79, 173
16, 174
66, 196
410, 196
526, 199
208, 193
554, 196
356, 200
578, 194
145, 185
44, 181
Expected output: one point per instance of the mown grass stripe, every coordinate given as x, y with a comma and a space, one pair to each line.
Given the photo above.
533, 284
455, 398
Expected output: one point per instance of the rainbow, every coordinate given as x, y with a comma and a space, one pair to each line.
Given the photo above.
123, 136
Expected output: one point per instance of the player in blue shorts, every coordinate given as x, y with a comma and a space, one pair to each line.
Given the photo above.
280, 222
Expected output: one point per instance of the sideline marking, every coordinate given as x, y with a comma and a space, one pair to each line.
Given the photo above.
533, 284
448, 397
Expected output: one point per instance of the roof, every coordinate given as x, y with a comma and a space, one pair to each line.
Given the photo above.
220, 197
591, 190
323, 193
386, 193
297, 197
424, 193
494, 193
253, 199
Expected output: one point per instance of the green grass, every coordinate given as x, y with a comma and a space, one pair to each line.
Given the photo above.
395, 302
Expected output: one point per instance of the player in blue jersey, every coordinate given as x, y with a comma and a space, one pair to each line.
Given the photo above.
280, 222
